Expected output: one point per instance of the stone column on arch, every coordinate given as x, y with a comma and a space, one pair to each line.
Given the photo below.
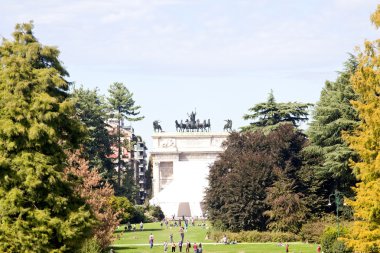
156, 178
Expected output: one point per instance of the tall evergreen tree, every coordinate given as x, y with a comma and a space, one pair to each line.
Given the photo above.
123, 107
365, 140
270, 114
92, 111
149, 179
38, 210
334, 114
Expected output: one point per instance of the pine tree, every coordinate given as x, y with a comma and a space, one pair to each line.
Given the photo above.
332, 115
270, 114
91, 108
123, 106
38, 210
365, 140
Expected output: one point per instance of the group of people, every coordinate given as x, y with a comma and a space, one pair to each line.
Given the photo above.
184, 222
196, 247
133, 228
183, 225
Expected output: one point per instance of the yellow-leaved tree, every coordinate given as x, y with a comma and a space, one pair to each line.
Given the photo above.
365, 140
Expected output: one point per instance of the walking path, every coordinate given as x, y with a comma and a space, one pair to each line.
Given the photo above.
206, 243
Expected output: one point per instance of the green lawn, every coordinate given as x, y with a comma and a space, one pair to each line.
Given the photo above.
137, 242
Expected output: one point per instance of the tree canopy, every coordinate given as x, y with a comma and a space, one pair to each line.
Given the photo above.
270, 114
39, 210
91, 109
122, 103
97, 194
333, 115
365, 140
240, 180
122, 107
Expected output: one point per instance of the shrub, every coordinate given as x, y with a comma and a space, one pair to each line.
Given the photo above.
219, 225
156, 212
138, 215
128, 212
124, 207
312, 231
330, 242
90, 246
148, 218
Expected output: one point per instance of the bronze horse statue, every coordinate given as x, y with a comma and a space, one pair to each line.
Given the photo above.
207, 125
200, 126
177, 126
228, 126
180, 127
157, 126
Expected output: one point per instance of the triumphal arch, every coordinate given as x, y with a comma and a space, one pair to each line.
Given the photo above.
181, 163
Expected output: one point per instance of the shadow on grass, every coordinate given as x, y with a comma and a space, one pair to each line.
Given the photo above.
138, 231
122, 247
151, 229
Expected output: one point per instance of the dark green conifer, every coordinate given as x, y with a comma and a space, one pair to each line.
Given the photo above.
92, 111
333, 115
270, 114
123, 107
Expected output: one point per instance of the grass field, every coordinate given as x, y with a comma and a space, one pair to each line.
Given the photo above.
137, 242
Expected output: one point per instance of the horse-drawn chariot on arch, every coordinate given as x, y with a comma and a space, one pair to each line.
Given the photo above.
193, 125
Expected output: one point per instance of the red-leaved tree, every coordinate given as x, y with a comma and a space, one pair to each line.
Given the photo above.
97, 194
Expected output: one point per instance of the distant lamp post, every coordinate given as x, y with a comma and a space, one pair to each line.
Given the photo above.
338, 197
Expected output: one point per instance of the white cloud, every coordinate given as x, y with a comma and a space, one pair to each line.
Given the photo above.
113, 17
354, 4
197, 36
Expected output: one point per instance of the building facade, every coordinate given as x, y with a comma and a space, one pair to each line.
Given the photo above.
133, 156
140, 168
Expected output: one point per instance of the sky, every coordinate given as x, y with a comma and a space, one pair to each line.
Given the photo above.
218, 58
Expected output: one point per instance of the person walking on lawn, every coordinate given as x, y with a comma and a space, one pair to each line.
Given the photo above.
151, 238
173, 247
165, 247
200, 250
195, 247
182, 233
188, 245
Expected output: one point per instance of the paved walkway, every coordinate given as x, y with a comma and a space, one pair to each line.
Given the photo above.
205, 243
